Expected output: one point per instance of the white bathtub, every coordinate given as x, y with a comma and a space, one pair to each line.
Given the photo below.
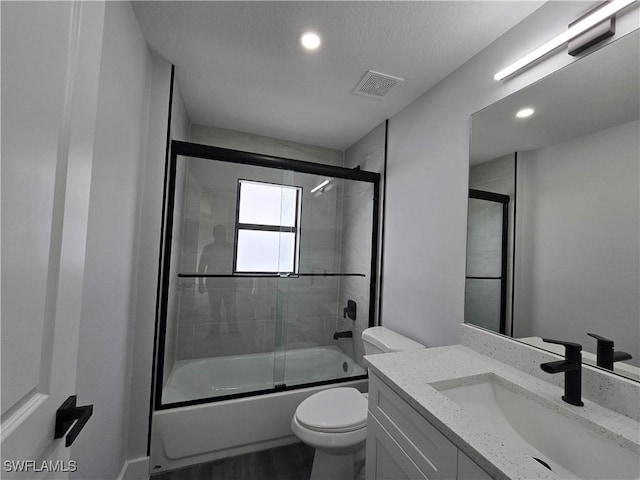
212, 377
200, 433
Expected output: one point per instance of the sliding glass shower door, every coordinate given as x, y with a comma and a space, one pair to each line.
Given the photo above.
486, 282
223, 295
260, 257
335, 258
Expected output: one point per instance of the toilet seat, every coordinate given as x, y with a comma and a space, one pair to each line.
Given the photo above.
333, 421
337, 410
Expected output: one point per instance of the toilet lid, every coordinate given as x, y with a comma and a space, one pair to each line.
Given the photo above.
341, 409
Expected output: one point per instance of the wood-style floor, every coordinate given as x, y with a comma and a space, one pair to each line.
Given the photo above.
291, 462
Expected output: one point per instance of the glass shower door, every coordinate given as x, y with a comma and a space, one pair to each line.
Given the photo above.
268, 244
261, 257
231, 239
336, 245
486, 281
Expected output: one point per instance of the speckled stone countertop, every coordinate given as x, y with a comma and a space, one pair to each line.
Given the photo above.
411, 374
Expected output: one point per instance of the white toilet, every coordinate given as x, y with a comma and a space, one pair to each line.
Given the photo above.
334, 421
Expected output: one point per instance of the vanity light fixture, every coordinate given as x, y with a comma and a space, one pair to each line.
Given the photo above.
576, 29
318, 187
310, 40
525, 112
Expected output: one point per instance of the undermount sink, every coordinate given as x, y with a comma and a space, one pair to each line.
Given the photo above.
568, 448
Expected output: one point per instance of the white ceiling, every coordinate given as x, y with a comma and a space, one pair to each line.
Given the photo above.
597, 92
239, 65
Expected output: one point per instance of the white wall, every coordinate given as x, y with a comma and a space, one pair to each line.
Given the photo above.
248, 142
150, 218
368, 154
577, 241
427, 173
180, 122
117, 341
108, 303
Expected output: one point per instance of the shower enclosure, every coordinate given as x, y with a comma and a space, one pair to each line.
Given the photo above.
261, 256
486, 281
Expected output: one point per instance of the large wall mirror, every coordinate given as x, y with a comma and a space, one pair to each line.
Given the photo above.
554, 209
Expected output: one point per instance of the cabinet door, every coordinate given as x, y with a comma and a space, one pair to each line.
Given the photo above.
385, 459
429, 449
469, 470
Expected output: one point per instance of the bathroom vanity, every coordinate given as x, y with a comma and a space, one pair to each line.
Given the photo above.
452, 412
401, 444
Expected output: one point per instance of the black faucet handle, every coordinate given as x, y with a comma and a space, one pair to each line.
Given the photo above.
568, 345
573, 351
601, 340
621, 356
350, 310
606, 356
572, 368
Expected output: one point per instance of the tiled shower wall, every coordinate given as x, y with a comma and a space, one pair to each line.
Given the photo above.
271, 313
368, 154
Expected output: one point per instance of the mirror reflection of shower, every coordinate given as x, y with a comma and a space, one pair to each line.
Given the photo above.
215, 259
571, 170
262, 263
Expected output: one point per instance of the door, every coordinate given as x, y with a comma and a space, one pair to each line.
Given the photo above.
50, 70
486, 282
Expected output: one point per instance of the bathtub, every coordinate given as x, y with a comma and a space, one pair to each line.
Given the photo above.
193, 434
217, 376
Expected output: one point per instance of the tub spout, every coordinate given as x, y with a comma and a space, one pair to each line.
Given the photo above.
346, 334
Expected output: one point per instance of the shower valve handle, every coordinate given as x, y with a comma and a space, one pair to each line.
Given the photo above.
350, 310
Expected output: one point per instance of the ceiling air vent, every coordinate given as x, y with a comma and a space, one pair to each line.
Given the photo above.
376, 84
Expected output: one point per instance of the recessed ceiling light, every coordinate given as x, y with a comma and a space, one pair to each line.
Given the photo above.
525, 112
310, 40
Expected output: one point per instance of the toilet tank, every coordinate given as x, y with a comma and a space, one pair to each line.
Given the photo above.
383, 340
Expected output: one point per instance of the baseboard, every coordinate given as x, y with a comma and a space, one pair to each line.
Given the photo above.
136, 469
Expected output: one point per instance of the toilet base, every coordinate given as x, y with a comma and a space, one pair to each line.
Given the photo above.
333, 467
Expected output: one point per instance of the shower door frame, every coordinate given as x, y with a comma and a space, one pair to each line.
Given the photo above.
504, 201
207, 152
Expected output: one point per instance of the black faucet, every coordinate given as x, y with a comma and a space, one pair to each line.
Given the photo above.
606, 355
347, 334
572, 368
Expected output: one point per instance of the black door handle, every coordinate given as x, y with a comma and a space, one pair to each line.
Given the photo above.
66, 415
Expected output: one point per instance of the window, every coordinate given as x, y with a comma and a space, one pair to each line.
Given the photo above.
267, 228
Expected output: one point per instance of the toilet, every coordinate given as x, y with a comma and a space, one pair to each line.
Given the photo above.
334, 421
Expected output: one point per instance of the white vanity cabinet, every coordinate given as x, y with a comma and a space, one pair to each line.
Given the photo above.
401, 444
